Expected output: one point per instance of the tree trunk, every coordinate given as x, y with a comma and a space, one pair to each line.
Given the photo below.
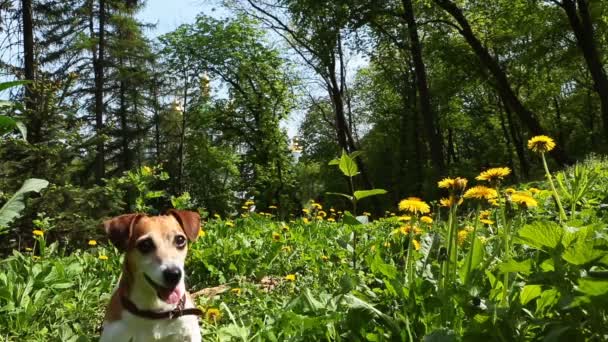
502, 84
98, 70
428, 114
124, 127
35, 126
182, 138
582, 28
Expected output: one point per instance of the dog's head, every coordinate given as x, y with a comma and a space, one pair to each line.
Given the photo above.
155, 248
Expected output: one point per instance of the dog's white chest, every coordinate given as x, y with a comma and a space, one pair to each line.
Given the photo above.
136, 329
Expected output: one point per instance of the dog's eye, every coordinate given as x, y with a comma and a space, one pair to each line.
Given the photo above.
180, 241
146, 246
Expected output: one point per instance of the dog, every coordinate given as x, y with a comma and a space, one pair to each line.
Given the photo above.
151, 302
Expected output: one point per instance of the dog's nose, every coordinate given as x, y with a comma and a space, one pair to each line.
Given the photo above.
172, 276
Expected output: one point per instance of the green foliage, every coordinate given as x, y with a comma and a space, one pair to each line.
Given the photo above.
13, 207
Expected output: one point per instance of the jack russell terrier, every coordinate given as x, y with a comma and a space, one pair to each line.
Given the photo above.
151, 302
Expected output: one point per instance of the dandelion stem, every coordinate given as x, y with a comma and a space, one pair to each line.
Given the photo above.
562, 213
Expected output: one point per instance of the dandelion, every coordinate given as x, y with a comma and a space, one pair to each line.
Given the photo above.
541, 144
534, 191
373, 248
481, 192
453, 184
331, 219
35, 257
305, 220
414, 205
272, 207
38, 232
306, 211
387, 244
322, 213
449, 202
317, 206
486, 221
276, 236
285, 227
524, 200
332, 210
237, 291
230, 224
217, 216
494, 174
324, 257
28, 249
213, 315
416, 244
245, 207
462, 236
103, 257
426, 219
201, 233
286, 249
92, 243
319, 217
249, 202
290, 277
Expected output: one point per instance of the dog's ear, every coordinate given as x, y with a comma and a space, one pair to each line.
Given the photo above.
119, 229
189, 220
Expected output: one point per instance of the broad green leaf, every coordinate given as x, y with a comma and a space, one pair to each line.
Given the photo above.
13, 207
349, 219
543, 235
593, 287
348, 166
7, 124
360, 194
379, 266
528, 293
547, 300
582, 253
473, 260
334, 162
512, 266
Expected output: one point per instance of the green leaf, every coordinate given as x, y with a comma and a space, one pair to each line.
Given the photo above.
379, 266
8, 124
473, 260
542, 235
593, 287
348, 166
351, 220
360, 194
350, 198
528, 293
6, 85
13, 207
512, 266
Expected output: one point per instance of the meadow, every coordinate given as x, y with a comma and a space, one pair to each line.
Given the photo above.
488, 261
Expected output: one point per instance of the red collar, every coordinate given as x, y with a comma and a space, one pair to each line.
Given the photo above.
149, 314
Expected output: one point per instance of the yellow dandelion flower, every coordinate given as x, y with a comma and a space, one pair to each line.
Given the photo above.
331, 219
457, 183
332, 210
217, 216
373, 248
414, 205
92, 243
541, 144
324, 257
276, 236
481, 192
319, 218
286, 249
249, 202
494, 174
416, 244
35, 257
462, 236
290, 277
317, 206
524, 200
305, 220
510, 191
322, 213
392, 214
28, 249
272, 207
449, 202
38, 232
306, 211
387, 244
201, 233
484, 214
486, 221
426, 219
103, 257
534, 191
213, 315
230, 224
237, 291
285, 227
245, 207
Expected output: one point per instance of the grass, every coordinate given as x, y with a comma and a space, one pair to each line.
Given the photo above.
519, 275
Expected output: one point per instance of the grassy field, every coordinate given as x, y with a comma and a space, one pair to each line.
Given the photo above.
505, 264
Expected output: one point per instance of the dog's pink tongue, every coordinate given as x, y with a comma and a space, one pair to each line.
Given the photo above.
174, 296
